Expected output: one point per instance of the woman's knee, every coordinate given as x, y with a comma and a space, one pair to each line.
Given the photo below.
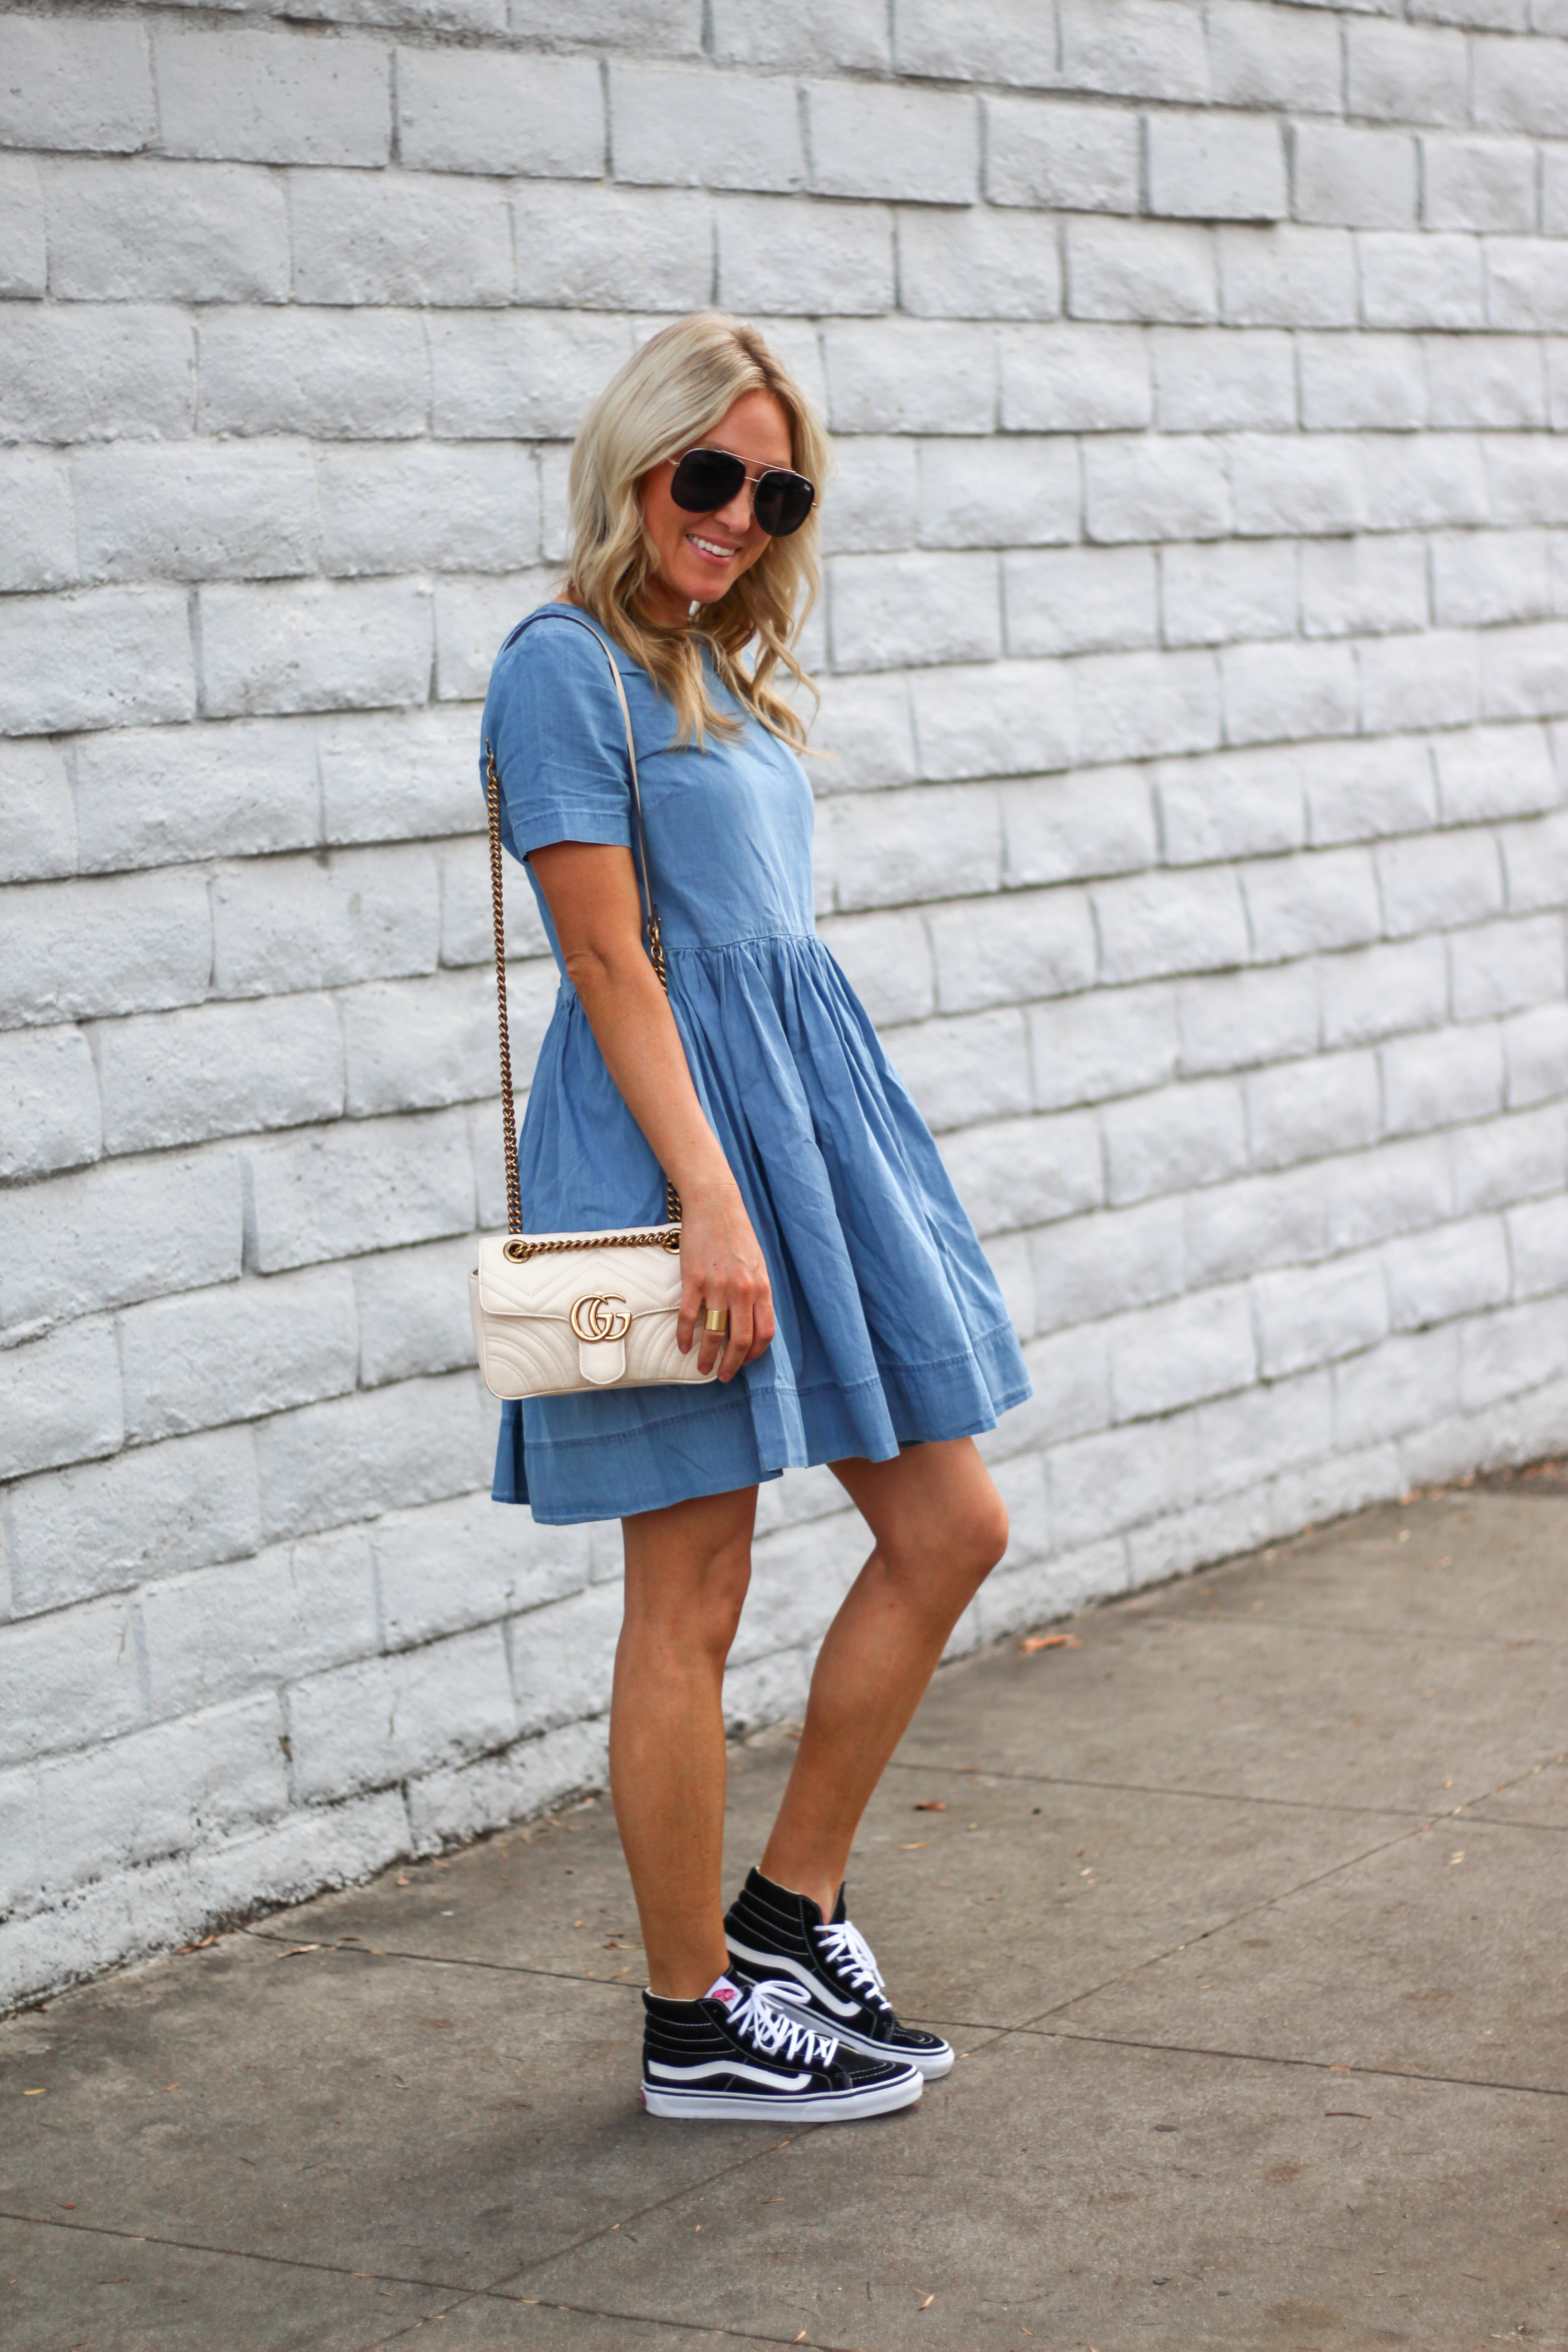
958, 1547
993, 1531
980, 1538
935, 1513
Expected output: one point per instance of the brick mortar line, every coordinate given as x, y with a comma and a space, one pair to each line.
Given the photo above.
367, 33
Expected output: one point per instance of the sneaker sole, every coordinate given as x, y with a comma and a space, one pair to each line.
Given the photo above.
774, 2107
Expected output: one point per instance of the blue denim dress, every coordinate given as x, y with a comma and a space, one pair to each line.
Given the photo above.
892, 1329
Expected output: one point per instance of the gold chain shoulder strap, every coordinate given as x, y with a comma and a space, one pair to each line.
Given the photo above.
518, 1248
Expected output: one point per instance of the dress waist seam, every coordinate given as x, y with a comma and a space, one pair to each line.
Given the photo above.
751, 939
566, 993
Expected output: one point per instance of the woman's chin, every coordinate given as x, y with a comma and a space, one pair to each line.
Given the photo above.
706, 583
684, 590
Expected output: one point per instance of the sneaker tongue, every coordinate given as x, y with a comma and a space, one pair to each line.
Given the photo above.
723, 1989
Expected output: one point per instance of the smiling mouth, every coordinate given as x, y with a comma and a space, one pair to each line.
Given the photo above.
712, 547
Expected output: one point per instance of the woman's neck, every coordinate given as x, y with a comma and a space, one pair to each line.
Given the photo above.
648, 609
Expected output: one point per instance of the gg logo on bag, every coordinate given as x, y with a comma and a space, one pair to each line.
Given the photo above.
600, 1318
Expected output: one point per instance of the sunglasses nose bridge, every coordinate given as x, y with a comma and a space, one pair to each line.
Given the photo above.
744, 497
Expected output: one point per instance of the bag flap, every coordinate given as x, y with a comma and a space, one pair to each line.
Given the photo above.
647, 1280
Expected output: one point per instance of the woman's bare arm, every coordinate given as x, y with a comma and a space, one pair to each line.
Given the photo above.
592, 893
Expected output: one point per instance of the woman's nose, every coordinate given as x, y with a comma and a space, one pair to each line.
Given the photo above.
737, 514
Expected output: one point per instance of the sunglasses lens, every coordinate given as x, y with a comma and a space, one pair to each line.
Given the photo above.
705, 480
782, 502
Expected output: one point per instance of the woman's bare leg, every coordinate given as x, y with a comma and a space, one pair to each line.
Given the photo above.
686, 1578
940, 1528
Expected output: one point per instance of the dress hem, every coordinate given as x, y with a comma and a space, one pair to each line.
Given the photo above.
911, 1427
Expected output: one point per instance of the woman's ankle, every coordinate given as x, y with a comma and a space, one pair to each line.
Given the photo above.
687, 1974
685, 1984
805, 1881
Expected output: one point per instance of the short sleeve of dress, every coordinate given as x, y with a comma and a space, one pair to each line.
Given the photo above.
553, 720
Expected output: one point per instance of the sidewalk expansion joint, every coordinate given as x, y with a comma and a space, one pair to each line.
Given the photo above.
1420, 1813
1477, 1638
462, 2292
1259, 2058
450, 1961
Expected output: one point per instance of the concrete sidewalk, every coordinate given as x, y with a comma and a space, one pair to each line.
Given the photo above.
1240, 1906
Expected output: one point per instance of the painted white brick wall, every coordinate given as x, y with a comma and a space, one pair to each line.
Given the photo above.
1195, 649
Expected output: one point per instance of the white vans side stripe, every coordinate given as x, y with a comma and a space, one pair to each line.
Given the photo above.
773, 1961
772, 2081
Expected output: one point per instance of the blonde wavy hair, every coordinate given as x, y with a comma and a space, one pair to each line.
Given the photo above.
665, 401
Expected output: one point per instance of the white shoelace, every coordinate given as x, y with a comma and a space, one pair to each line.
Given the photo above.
767, 2028
845, 1949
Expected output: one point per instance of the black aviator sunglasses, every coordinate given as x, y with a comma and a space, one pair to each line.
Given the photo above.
706, 479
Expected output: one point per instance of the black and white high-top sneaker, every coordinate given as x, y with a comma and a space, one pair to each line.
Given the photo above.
743, 2051
826, 1970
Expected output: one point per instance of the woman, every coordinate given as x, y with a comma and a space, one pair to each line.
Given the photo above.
827, 1266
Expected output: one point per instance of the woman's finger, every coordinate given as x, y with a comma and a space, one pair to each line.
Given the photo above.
762, 1328
738, 1344
690, 1313
709, 1344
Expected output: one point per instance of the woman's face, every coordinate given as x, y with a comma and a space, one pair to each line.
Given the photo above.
700, 557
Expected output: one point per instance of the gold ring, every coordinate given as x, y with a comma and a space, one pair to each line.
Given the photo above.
716, 1319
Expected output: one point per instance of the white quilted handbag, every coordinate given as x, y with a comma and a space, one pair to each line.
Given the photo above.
554, 1312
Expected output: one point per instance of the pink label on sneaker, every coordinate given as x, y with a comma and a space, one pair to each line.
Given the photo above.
722, 1989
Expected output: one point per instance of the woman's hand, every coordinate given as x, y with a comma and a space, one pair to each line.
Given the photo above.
721, 1270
